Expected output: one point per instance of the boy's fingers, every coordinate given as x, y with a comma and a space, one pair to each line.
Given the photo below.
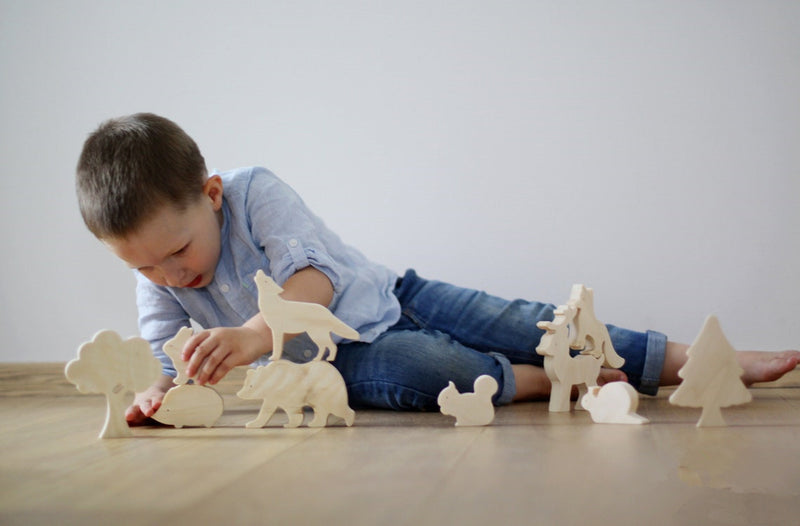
192, 343
133, 415
221, 370
130, 413
150, 407
147, 408
212, 363
199, 354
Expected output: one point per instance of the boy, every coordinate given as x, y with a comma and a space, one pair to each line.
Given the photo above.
195, 242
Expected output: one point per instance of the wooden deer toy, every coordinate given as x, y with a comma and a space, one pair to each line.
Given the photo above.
563, 370
295, 317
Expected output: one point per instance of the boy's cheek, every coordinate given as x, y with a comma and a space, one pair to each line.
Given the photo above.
154, 277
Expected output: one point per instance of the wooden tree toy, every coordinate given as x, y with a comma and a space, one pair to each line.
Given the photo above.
711, 376
589, 330
113, 367
187, 404
613, 403
291, 387
563, 370
470, 409
295, 317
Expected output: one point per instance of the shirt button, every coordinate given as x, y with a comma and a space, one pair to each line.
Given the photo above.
225, 288
308, 353
292, 243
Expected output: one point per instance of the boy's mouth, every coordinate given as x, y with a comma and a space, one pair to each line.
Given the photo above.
195, 282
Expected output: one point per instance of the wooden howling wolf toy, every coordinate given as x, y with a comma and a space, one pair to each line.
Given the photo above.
295, 317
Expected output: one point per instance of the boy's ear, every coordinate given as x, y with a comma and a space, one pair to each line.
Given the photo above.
212, 188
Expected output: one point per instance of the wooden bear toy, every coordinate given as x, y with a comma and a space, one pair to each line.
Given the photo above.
291, 387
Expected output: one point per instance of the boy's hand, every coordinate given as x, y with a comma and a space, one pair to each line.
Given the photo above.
147, 402
212, 353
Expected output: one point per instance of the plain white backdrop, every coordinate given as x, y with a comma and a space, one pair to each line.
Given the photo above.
649, 149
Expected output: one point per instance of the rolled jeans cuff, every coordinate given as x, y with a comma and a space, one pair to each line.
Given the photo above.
509, 387
653, 362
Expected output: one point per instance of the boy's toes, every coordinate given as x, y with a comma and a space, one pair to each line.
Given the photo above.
771, 369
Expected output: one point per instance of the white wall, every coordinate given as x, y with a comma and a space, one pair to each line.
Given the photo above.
648, 149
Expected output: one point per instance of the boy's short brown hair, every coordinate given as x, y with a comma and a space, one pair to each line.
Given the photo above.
130, 166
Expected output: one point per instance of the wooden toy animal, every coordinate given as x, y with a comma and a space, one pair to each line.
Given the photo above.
173, 349
470, 409
291, 386
563, 370
190, 405
589, 330
113, 367
613, 403
295, 317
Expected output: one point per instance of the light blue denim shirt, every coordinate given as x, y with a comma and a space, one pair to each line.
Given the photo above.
267, 226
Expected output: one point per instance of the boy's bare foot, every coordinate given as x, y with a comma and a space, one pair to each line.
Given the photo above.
763, 366
759, 366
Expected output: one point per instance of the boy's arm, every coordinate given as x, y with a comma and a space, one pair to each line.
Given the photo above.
212, 353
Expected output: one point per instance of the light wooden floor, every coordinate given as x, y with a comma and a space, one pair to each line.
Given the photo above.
529, 467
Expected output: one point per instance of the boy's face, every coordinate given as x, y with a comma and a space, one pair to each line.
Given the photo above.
177, 248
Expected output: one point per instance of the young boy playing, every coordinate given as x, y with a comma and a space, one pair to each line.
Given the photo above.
195, 242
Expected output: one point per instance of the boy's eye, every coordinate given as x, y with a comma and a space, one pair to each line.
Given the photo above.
182, 250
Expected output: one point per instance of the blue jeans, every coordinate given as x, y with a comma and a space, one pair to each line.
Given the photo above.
447, 333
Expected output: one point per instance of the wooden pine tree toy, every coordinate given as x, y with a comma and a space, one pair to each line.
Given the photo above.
712, 377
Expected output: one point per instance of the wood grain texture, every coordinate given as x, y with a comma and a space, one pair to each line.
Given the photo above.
530, 466
47, 379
